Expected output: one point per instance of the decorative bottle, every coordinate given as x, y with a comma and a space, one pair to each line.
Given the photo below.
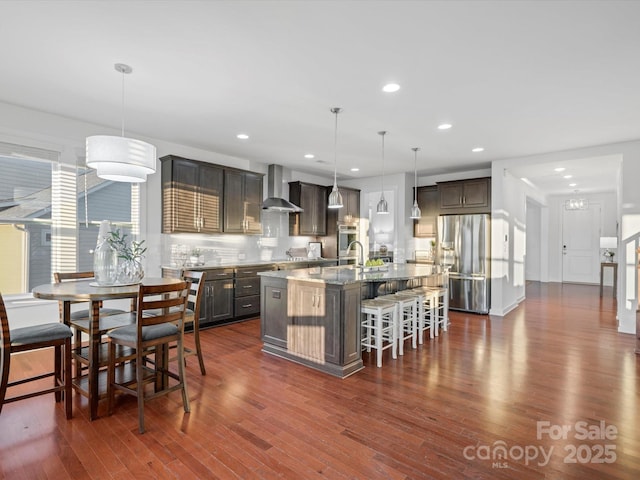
105, 258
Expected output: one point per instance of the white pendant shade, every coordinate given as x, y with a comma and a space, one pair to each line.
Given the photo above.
383, 207
121, 159
415, 211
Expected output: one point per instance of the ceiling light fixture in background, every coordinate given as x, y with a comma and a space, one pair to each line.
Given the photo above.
383, 206
335, 197
576, 203
444, 126
121, 159
477, 149
415, 210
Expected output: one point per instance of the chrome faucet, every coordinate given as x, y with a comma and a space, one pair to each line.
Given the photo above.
361, 251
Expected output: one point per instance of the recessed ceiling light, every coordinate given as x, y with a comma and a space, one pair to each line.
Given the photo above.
444, 126
559, 169
477, 149
309, 155
355, 169
573, 184
391, 87
242, 136
567, 176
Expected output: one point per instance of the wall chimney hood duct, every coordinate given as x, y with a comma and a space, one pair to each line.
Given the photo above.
275, 202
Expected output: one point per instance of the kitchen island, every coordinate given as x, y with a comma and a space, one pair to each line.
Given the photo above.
312, 316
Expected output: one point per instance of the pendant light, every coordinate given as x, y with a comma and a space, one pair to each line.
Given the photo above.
383, 207
121, 159
335, 197
415, 210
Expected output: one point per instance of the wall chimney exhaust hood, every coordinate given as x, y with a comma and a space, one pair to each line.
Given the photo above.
275, 202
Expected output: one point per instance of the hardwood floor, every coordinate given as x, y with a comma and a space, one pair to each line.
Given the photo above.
441, 411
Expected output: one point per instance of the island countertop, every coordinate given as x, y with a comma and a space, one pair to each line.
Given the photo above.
348, 274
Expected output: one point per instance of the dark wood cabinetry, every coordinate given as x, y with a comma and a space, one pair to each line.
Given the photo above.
465, 196
313, 200
191, 196
350, 211
242, 202
314, 324
247, 290
428, 202
216, 306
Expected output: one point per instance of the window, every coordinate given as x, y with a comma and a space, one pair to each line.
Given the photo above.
50, 214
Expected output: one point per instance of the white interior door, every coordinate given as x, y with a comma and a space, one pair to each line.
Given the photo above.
580, 245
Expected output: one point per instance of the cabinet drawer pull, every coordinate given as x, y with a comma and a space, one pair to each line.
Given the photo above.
248, 305
222, 274
248, 286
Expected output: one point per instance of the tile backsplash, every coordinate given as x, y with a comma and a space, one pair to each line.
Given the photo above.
228, 248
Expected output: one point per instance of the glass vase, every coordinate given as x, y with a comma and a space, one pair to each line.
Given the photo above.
105, 264
130, 271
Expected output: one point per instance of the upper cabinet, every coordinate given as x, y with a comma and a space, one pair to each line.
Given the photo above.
242, 202
350, 211
428, 203
313, 200
191, 196
197, 196
465, 196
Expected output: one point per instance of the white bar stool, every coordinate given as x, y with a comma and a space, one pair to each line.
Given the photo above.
437, 299
379, 325
407, 318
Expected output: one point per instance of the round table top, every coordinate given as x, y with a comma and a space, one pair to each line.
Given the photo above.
83, 290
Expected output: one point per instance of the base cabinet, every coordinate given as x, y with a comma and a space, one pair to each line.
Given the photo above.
311, 323
217, 302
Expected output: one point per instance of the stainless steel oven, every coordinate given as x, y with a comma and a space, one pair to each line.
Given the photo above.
346, 235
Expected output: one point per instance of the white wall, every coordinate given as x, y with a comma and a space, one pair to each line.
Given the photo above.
533, 256
507, 207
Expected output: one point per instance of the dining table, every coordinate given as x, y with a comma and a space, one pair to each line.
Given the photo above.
74, 291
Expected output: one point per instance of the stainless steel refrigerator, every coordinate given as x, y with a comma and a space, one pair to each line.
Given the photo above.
464, 246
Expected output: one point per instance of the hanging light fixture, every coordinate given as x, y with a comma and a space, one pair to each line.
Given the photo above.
383, 206
335, 197
415, 210
121, 159
576, 203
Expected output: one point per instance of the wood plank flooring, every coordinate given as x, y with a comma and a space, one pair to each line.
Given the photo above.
442, 411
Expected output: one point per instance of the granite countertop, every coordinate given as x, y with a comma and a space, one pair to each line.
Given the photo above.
350, 274
248, 263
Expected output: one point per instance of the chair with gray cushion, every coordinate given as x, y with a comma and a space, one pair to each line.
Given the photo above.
152, 334
24, 339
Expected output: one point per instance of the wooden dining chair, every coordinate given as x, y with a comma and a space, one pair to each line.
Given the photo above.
151, 335
193, 313
79, 322
24, 339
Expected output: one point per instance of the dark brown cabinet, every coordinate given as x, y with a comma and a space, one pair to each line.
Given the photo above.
313, 200
242, 202
314, 324
465, 196
275, 321
216, 306
428, 203
191, 196
247, 290
350, 211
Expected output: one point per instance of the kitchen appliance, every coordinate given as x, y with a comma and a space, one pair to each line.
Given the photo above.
275, 200
346, 235
464, 246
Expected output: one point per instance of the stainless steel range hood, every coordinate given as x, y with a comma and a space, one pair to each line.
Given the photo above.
275, 202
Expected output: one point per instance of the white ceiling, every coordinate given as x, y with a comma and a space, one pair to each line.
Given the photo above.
518, 78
